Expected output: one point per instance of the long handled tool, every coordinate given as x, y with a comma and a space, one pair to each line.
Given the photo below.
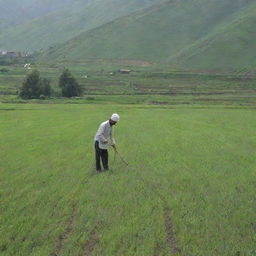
122, 159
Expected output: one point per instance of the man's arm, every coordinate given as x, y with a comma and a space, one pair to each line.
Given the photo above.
112, 140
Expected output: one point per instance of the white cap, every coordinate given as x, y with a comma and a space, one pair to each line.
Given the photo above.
115, 117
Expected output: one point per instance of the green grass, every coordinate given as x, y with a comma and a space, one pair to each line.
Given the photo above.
196, 166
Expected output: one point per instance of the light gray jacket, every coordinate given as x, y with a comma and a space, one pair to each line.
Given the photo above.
105, 134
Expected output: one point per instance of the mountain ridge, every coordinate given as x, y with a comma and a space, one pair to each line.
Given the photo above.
59, 26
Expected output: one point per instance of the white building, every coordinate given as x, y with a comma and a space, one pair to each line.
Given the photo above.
3, 52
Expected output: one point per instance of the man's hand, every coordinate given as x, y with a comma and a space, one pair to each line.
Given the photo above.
114, 147
105, 142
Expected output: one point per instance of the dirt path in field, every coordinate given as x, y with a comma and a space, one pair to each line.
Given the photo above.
91, 244
169, 227
171, 238
63, 237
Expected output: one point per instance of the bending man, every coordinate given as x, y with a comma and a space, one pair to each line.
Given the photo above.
103, 139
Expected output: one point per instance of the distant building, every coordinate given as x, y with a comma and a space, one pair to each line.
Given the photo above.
3, 53
13, 54
124, 71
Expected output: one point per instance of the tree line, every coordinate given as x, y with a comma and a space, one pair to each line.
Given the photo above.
35, 87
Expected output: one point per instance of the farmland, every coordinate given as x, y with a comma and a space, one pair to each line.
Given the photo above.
147, 83
189, 188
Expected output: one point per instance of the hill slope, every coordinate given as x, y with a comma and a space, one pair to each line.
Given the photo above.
171, 32
49, 23
231, 45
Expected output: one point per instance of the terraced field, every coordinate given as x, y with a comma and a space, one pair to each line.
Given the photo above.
150, 84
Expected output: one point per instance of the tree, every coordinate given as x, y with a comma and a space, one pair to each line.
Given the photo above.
68, 84
34, 86
45, 87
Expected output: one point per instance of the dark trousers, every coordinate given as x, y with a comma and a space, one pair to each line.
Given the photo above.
101, 154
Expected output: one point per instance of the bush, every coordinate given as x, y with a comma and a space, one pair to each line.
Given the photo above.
68, 84
4, 70
34, 86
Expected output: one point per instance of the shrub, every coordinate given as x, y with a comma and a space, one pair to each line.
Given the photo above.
4, 70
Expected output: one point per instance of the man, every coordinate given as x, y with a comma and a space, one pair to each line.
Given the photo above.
103, 139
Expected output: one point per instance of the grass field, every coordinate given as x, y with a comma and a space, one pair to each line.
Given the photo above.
189, 188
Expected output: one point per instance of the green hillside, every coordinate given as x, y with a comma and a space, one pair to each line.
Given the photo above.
169, 32
231, 45
58, 22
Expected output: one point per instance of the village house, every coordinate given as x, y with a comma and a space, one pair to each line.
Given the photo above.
10, 53
124, 71
14, 54
3, 53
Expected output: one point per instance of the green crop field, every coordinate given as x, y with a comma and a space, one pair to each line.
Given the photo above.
189, 188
